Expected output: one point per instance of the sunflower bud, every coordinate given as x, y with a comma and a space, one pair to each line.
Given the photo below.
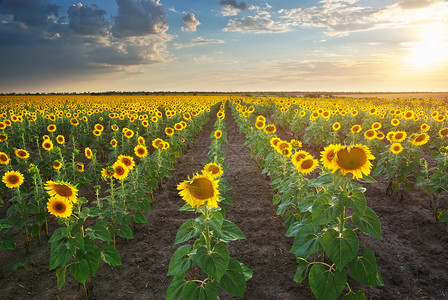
76, 151
423, 162
442, 150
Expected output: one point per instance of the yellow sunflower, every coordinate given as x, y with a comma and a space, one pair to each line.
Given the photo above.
60, 139
107, 172
13, 179
296, 157
141, 140
307, 164
270, 129
120, 170
80, 167
3, 137
157, 143
88, 153
47, 145
259, 124
399, 136
51, 128
57, 165
356, 128
395, 122
328, 155
21, 153
420, 139
97, 132
274, 142
128, 161
62, 190
169, 131
370, 134
353, 159
396, 148
59, 207
443, 132
165, 145
129, 133
424, 127
218, 134
200, 190
376, 125
113, 143
140, 151
214, 169
336, 126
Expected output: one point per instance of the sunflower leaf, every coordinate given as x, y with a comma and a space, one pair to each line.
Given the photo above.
181, 261
188, 230
215, 262
368, 223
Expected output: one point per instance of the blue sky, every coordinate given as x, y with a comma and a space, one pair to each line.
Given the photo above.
223, 45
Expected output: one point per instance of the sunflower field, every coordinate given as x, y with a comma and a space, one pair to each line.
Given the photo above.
222, 196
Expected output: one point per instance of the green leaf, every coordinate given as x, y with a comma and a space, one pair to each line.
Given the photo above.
233, 281
340, 249
60, 274
358, 202
214, 220
326, 285
139, 217
367, 179
369, 223
306, 241
93, 256
230, 232
125, 232
443, 215
301, 271
99, 231
188, 230
174, 291
247, 272
213, 263
7, 243
181, 261
364, 268
80, 270
145, 205
359, 295
110, 255
323, 212
193, 292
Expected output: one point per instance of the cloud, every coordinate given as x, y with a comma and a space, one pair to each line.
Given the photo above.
256, 24
202, 58
139, 18
232, 7
198, 41
32, 13
341, 17
191, 22
87, 20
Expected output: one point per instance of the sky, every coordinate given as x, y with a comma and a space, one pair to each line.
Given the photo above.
223, 45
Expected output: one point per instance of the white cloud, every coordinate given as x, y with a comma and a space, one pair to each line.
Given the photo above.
228, 11
256, 24
198, 41
191, 22
202, 58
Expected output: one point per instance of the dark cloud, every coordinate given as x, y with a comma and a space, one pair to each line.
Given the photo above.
87, 20
32, 13
139, 18
191, 22
233, 3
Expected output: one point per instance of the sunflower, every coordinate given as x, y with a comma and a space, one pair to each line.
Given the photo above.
295, 143
157, 143
420, 139
74, 122
443, 132
307, 164
80, 167
296, 157
3, 137
261, 118
97, 132
145, 123
286, 152
336, 126
60, 139
128, 161
178, 126
99, 127
129, 133
353, 159
21, 153
62, 190
59, 207
47, 145
57, 165
399, 136
395, 122
114, 127
218, 134
440, 118
328, 155
140, 151
270, 129
169, 131
120, 170
107, 172
214, 169
88, 153
424, 127
390, 135
13, 179
113, 143
51, 128
356, 128
154, 119
396, 148
141, 140
380, 136
259, 124
200, 190
45, 137
165, 145
274, 142
370, 134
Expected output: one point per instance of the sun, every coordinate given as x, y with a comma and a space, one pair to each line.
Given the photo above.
431, 52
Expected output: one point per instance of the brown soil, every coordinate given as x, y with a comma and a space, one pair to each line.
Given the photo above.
411, 257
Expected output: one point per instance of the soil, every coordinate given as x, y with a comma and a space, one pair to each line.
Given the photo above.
412, 255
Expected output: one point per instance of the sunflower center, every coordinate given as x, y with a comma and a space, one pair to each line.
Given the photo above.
59, 207
126, 161
444, 132
330, 155
141, 151
201, 188
307, 164
213, 169
119, 170
13, 179
3, 157
352, 160
63, 190
398, 136
420, 138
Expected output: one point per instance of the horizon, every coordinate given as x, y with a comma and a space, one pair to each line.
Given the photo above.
230, 46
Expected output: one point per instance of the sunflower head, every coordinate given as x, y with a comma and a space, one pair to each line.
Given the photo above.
157, 143
107, 172
88, 153
259, 124
356, 129
443, 132
218, 134
329, 154
13, 179
336, 126
79, 167
60, 139
200, 190
47, 145
296, 157
21, 153
51, 128
120, 170
113, 143
141, 140
4, 158
396, 148
353, 159
59, 207
307, 164
3, 137
62, 189
140, 151
270, 129
57, 165
420, 139
213, 169
128, 161
169, 131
